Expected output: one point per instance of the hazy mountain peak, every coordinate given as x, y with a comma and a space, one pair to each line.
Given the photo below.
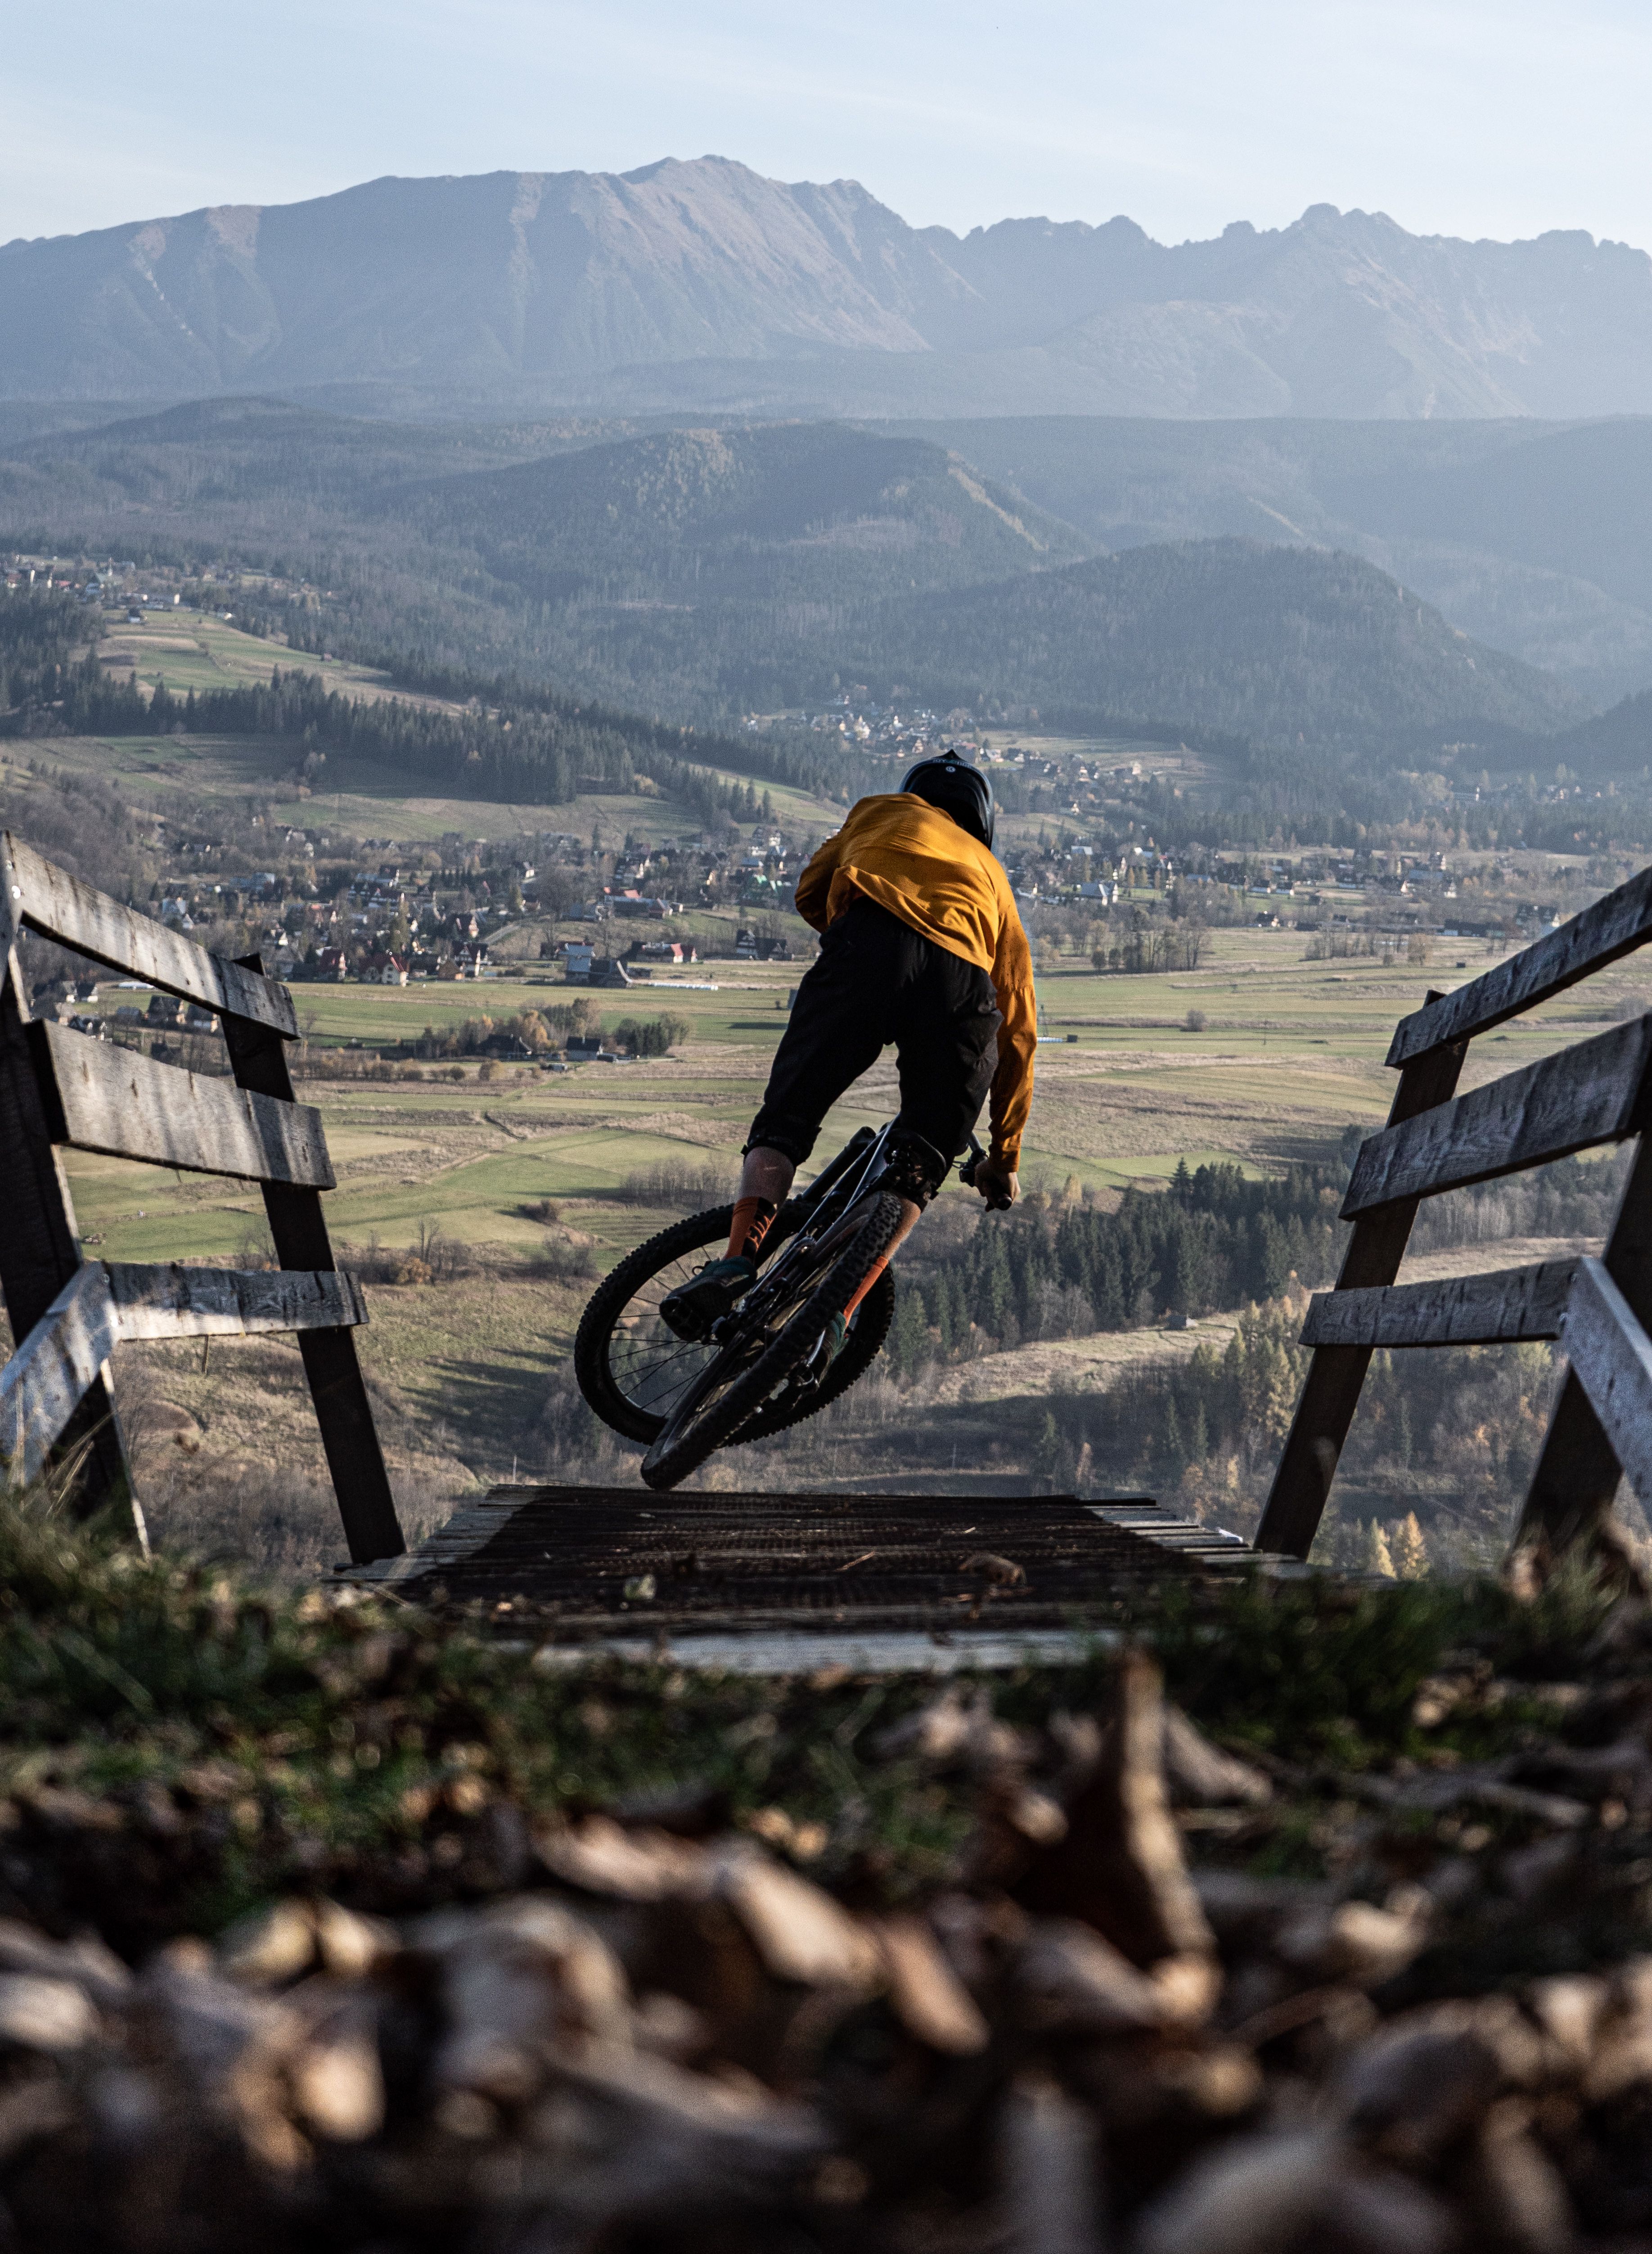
701, 283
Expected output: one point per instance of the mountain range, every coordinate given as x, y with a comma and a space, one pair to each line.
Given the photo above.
703, 287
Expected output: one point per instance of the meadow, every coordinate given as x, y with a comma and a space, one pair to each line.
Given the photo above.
500, 1193
1289, 1054
481, 1203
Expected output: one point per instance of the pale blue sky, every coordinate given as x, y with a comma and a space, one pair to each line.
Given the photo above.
1496, 117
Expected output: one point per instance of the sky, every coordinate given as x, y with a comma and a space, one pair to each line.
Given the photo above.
1474, 117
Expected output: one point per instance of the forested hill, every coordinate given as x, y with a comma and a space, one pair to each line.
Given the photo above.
1529, 536
510, 741
700, 574
605, 561
1277, 643
761, 565
812, 512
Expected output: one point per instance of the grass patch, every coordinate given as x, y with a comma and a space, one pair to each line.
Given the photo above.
179, 1741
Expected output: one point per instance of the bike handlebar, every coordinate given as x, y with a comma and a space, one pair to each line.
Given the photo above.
967, 1173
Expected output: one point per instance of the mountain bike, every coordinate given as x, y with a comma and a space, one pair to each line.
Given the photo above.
767, 1363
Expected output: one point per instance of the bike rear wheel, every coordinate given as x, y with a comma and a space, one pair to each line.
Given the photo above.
634, 1372
725, 1402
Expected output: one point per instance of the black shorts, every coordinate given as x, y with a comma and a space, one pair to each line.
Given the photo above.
878, 981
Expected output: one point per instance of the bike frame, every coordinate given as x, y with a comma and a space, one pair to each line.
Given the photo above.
829, 1206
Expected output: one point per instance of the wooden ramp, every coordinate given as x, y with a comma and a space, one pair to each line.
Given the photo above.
771, 1580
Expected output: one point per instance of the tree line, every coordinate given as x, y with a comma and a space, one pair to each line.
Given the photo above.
1214, 1240
511, 743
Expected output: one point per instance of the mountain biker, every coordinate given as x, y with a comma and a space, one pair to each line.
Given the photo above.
922, 947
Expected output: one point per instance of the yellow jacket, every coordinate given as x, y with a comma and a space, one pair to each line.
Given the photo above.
917, 863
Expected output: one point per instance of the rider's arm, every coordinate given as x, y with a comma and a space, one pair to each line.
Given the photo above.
1011, 1097
816, 883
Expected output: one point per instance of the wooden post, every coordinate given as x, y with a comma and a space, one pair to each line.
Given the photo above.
1576, 1481
1610, 1356
1313, 1447
40, 1252
299, 1229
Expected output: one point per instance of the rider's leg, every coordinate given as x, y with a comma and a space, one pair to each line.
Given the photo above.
916, 1171
835, 1030
765, 1180
947, 1025
768, 1173
830, 1038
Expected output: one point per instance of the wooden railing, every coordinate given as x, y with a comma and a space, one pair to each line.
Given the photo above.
59, 1090
1597, 1091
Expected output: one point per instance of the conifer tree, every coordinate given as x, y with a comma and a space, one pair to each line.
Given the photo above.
1410, 1550
1175, 1450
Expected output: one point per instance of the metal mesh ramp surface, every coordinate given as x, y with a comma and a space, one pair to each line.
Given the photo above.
586, 1563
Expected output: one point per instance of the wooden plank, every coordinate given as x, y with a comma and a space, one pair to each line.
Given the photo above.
1331, 1391
1614, 926
113, 1099
1613, 1358
48, 900
1576, 1481
299, 1228
177, 1302
107, 1302
39, 1252
1589, 1093
45, 1380
1511, 1303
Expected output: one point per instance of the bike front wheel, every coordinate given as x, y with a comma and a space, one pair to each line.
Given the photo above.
726, 1401
633, 1371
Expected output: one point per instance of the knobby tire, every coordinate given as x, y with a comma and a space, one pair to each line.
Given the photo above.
593, 1365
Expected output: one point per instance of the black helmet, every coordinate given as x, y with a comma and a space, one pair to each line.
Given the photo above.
958, 789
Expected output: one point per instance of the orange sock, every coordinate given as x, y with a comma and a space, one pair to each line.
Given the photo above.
753, 1217
877, 1270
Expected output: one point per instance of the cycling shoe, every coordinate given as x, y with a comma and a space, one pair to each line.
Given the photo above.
690, 1312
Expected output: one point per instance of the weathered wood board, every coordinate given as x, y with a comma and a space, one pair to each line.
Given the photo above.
127, 1106
46, 900
177, 1302
1614, 926
298, 1229
1612, 1357
108, 1301
883, 1576
1509, 1304
1590, 1094
45, 1380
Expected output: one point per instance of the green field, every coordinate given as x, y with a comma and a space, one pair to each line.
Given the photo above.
191, 649
363, 799
1292, 1052
1287, 1053
466, 1368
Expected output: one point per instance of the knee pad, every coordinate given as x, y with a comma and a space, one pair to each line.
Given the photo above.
914, 1168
